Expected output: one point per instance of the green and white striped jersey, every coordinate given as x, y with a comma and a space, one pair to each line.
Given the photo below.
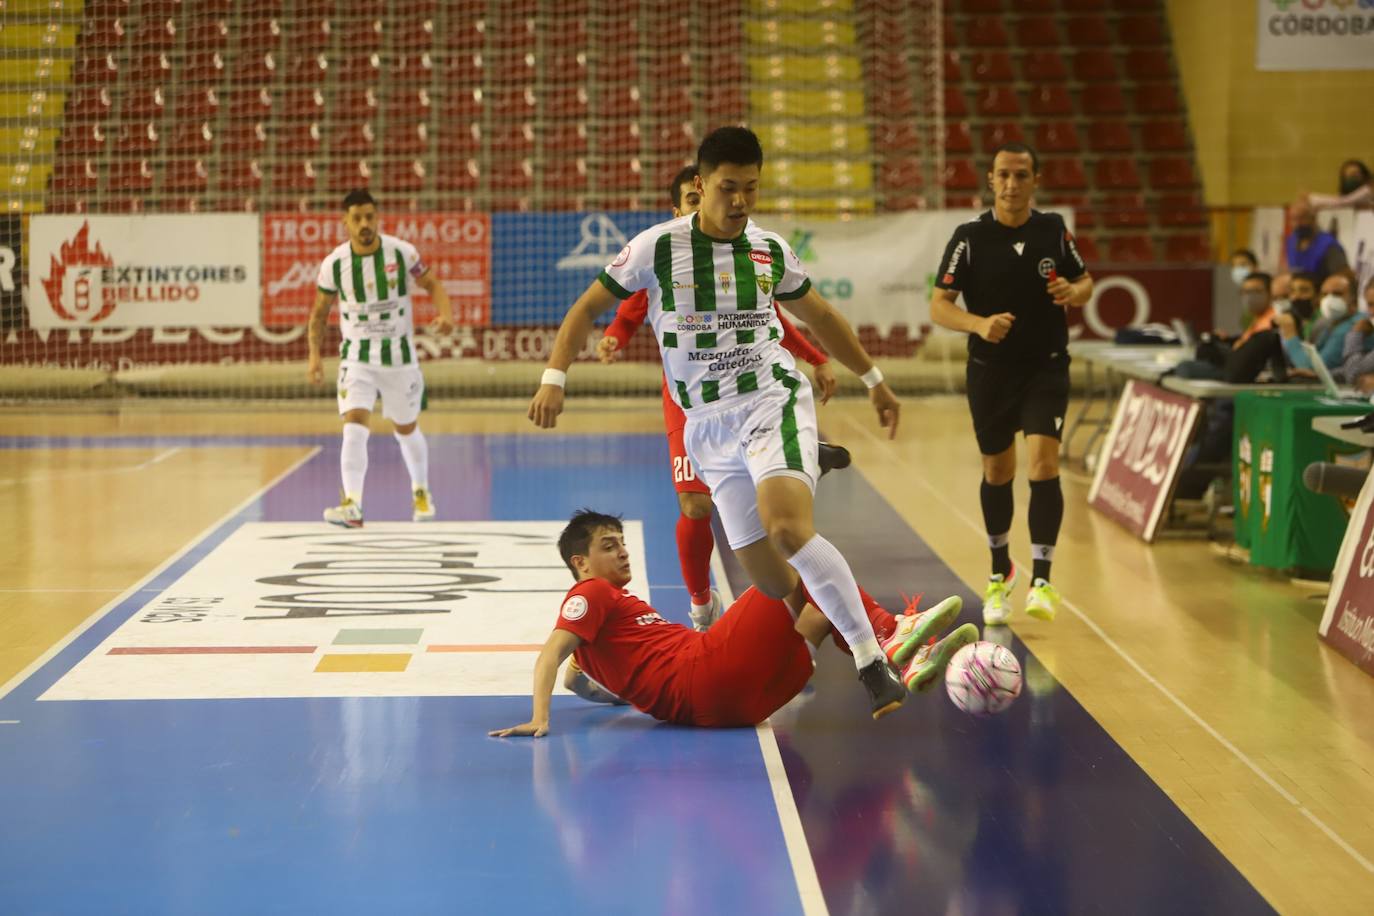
711, 306
376, 315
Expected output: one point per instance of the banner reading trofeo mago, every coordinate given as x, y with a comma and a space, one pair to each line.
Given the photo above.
1348, 620
455, 246
144, 271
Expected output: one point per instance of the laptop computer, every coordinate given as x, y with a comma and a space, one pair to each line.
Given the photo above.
1337, 392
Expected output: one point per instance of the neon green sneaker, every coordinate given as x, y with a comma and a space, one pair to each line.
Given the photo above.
347, 514
423, 505
996, 610
917, 628
1043, 601
929, 663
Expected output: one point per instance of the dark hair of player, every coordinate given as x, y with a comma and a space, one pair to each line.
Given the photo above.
681, 178
1263, 277
576, 539
735, 145
358, 197
1016, 146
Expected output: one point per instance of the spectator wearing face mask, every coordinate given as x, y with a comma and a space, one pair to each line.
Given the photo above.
1243, 264
1310, 250
1335, 317
1357, 357
1256, 300
1356, 189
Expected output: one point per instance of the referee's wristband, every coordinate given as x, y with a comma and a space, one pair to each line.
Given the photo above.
554, 377
873, 377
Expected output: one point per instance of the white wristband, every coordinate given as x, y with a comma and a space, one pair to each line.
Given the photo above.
554, 377
873, 377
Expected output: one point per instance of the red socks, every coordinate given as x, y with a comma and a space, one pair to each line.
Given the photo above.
884, 623
694, 545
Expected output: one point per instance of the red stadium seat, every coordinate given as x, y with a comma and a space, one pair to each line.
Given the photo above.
207, 35
150, 69
980, 6
514, 68
201, 67
302, 104
618, 102
671, 102
1130, 249
310, 35
1110, 137
103, 33
357, 69
1087, 248
244, 138
155, 32
95, 69
565, 139
354, 138
299, 139
1085, 6
1037, 31
1172, 172
143, 102
195, 103
960, 175
82, 139
953, 70
356, 104
566, 175
1165, 136
1141, 30
672, 69
957, 138
1156, 98
514, 104
461, 105
1103, 99
305, 69
1056, 137
512, 139
253, 69
1149, 64
136, 138
294, 176
898, 101
997, 133
1115, 173
186, 176
568, 32
987, 31
250, 103
1093, 65
1182, 210
360, 35
620, 175
676, 139
347, 174
511, 175
408, 139
467, 33
992, 67
1190, 248
127, 175
892, 67
566, 65
461, 140
465, 71
1125, 211
410, 69
408, 106
457, 174
414, 33
1064, 175
89, 104
1051, 100
955, 106
566, 102
1084, 214
899, 173
403, 176
75, 176
898, 137
1088, 31
998, 101
726, 104
1044, 67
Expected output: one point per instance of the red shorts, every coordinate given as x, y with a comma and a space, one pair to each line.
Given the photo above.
685, 479
751, 662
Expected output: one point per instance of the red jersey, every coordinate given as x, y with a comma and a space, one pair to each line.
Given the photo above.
629, 649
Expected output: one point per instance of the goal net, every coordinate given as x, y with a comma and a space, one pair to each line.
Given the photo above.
173, 171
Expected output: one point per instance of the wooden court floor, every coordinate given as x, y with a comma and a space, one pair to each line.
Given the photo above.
1208, 673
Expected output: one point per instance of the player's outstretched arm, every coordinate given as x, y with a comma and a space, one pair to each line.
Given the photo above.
572, 335
319, 314
840, 341
443, 322
557, 648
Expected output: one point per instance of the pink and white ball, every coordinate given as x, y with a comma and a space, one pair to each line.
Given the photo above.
983, 678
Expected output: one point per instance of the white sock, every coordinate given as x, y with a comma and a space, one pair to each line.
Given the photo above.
415, 451
353, 460
832, 587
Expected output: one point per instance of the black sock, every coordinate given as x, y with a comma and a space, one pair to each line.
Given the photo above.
998, 508
1046, 513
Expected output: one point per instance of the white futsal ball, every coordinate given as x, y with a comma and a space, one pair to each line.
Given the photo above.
983, 678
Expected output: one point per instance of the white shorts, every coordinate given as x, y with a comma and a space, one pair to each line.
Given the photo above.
772, 434
402, 390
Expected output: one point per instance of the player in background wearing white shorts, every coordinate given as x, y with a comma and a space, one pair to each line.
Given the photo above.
713, 278
371, 276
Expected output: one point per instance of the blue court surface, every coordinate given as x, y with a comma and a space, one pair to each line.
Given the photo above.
190, 754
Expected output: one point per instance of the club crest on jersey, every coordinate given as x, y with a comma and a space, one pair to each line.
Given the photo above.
575, 608
621, 258
760, 257
724, 281
695, 321
1045, 267
765, 282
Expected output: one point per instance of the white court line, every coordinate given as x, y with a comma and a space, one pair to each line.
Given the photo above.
803, 866
93, 472
1149, 678
190, 545
9, 721
57, 591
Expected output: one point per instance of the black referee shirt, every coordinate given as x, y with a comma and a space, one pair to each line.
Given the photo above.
1001, 269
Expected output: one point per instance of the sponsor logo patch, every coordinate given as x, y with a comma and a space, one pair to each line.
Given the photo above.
622, 258
760, 257
575, 608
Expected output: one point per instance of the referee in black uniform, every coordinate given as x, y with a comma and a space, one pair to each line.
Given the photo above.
1019, 271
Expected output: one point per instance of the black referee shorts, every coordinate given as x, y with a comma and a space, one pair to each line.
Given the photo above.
1006, 397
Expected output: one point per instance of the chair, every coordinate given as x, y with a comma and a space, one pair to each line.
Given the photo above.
997, 101
293, 176
997, 133
1165, 136
75, 176
671, 69
619, 138
959, 175
90, 103
1130, 249
201, 67
957, 138
301, 139
82, 139
130, 175
345, 175
353, 138
186, 176
1087, 248
513, 103
1044, 67
1110, 137
1088, 31
1182, 210
150, 69
253, 69
1172, 172
195, 103
303, 104
955, 106
410, 139
671, 102
899, 137
1103, 99
465, 71
618, 102
143, 103
511, 175
1125, 211
1064, 175
565, 175
136, 138
1056, 137
725, 104
244, 138
95, 69
987, 31
565, 102
1148, 64
403, 176
1051, 100
457, 174
1141, 30
310, 35
674, 140
1156, 98
1037, 31
512, 139
992, 67
1116, 173
620, 175
1094, 65
361, 35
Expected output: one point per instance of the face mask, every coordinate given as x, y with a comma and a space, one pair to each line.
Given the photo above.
1255, 301
1302, 308
1239, 273
1334, 306
1304, 232
1351, 183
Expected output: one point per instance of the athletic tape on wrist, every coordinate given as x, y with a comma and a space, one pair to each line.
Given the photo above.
873, 377
554, 377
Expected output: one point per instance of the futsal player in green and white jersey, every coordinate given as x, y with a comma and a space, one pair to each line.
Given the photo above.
712, 278
372, 277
